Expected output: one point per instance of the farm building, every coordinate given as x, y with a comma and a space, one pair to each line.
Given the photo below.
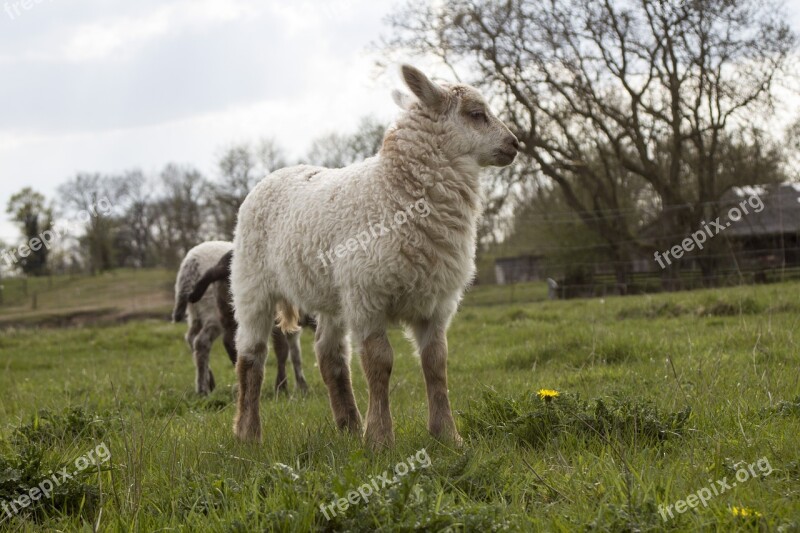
768, 238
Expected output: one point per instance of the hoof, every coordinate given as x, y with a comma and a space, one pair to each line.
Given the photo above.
247, 435
379, 441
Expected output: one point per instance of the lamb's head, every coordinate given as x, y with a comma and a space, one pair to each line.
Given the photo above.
469, 127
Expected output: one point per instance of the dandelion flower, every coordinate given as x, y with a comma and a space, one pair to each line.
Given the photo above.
744, 512
547, 394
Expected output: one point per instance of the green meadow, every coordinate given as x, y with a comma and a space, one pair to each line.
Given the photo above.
660, 400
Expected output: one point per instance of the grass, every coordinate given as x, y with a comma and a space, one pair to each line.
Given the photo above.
74, 300
659, 398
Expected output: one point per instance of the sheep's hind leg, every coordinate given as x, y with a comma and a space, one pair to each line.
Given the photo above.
195, 325
251, 344
333, 356
376, 359
201, 352
432, 343
294, 351
281, 355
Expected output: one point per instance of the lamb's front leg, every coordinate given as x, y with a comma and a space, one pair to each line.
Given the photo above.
432, 343
333, 357
376, 359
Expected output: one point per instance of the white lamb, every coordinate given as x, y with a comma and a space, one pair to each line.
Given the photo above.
306, 237
204, 320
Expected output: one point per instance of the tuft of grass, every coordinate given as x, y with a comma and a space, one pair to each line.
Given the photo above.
657, 309
786, 408
46, 428
26, 462
532, 421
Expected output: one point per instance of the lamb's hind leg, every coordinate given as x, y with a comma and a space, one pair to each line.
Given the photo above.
333, 356
255, 323
201, 351
281, 355
293, 339
376, 359
431, 340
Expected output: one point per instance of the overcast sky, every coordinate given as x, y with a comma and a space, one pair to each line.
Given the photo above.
107, 85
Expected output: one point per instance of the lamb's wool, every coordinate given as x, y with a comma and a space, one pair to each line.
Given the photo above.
409, 273
199, 259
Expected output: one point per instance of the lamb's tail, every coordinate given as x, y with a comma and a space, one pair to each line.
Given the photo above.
179, 312
183, 287
219, 272
288, 317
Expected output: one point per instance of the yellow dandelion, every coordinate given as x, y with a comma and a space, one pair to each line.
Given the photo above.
547, 394
744, 512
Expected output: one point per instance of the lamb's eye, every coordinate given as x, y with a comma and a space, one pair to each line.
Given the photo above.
478, 116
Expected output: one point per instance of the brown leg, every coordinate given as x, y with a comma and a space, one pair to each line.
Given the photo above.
376, 359
250, 371
281, 355
255, 323
334, 364
432, 343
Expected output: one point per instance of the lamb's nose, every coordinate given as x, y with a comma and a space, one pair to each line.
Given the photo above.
515, 142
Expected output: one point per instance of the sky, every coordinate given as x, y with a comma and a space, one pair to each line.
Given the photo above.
109, 85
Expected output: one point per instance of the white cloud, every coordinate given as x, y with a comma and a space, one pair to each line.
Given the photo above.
108, 85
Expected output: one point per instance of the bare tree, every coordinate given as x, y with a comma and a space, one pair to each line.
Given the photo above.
240, 168
625, 106
178, 215
134, 242
337, 150
88, 200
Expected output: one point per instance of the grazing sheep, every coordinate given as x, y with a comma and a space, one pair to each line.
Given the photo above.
283, 343
204, 320
413, 271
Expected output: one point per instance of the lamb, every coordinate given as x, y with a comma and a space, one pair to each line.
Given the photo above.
204, 320
284, 343
210, 315
414, 270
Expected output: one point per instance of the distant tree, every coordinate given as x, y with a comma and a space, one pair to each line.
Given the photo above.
89, 200
240, 168
337, 150
30, 211
134, 242
178, 215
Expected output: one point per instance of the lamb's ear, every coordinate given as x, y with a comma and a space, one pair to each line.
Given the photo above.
402, 99
428, 92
